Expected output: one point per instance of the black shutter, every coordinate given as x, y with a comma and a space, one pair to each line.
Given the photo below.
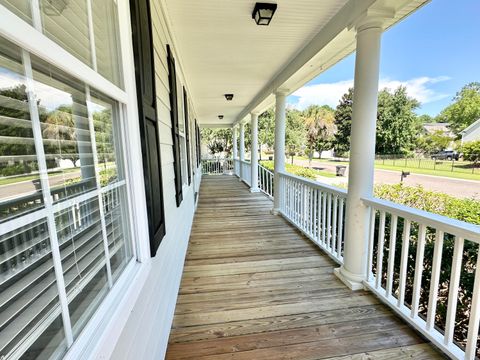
172, 80
187, 135
199, 146
147, 111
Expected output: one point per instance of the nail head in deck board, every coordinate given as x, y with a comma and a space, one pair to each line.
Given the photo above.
254, 288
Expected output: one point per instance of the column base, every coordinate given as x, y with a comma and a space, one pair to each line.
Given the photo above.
275, 212
253, 190
352, 281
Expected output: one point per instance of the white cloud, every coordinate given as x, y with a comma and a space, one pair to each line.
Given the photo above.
330, 93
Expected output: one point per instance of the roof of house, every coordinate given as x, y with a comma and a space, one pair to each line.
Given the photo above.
434, 127
470, 128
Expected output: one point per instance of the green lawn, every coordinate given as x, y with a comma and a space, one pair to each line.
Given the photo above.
414, 170
442, 168
20, 178
16, 179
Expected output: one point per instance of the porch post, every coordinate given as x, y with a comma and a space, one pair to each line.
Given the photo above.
279, 148
235, 150
362, 153
242, 148
254, 156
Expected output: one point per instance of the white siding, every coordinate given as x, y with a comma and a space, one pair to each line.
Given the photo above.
146, 334
473, 134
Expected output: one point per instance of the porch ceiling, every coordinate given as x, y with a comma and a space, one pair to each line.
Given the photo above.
222, 50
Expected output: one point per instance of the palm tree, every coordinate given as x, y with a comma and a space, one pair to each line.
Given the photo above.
320, 128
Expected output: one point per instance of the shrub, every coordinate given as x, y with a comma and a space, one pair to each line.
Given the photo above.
471, 151
294, 169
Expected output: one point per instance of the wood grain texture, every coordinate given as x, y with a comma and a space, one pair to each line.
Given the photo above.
254, 288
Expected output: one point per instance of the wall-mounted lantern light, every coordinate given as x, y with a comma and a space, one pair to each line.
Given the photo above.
263, 13
229, 97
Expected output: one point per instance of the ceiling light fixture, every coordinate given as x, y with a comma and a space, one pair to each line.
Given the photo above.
229, 97
220, 117
263, 13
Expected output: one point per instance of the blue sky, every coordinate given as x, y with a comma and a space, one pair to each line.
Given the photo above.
433, 52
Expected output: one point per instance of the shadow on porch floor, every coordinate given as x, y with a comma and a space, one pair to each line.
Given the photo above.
254, 288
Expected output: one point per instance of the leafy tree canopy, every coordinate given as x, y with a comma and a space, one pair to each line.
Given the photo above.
464, 110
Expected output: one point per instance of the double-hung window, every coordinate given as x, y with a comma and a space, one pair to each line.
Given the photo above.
65, 229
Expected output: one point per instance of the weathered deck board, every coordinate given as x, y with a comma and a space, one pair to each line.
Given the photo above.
254, 288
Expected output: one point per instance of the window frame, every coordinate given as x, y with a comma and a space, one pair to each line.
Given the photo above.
106, 323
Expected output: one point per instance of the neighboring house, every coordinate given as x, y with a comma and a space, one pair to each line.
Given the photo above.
471, 133
431, 128
91, 259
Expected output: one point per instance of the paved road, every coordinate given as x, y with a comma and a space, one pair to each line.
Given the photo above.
455, 187
27, 187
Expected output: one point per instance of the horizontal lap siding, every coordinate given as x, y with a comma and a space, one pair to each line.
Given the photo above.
148, 328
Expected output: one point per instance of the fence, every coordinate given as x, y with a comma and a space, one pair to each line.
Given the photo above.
217, 166
447, 164
265, 181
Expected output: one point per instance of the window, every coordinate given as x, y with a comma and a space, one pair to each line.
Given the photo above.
88, 29
64, 222
176, 134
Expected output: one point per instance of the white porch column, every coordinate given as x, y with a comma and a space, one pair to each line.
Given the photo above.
235, 150
254, 156
279, 150
362, 153
242, 148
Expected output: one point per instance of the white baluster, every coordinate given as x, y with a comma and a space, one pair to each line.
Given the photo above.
453, 290
391, 254
473, 323
380, 241
436, 267
417, 279
403, 261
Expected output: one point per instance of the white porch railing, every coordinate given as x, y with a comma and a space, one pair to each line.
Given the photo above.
217, 166
317, 210
408, 278
246, 171
265, 180
400, 271
236, 167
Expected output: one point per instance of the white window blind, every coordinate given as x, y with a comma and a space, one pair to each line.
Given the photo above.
64, 222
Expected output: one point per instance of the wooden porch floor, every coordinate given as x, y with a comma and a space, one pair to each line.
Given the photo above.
254, 288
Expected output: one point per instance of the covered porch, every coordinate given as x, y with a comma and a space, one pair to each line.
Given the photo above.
254, 287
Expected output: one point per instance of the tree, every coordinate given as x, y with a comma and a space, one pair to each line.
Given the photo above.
320, 129
60, 131
471, 151
217, 140
343, 123
432, 143
266, 129
397, 124
294, 132
464, 110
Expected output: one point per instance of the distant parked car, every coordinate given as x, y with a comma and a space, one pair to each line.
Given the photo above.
446, 155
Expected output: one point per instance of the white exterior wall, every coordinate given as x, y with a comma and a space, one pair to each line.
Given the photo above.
473, 134
145, 335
